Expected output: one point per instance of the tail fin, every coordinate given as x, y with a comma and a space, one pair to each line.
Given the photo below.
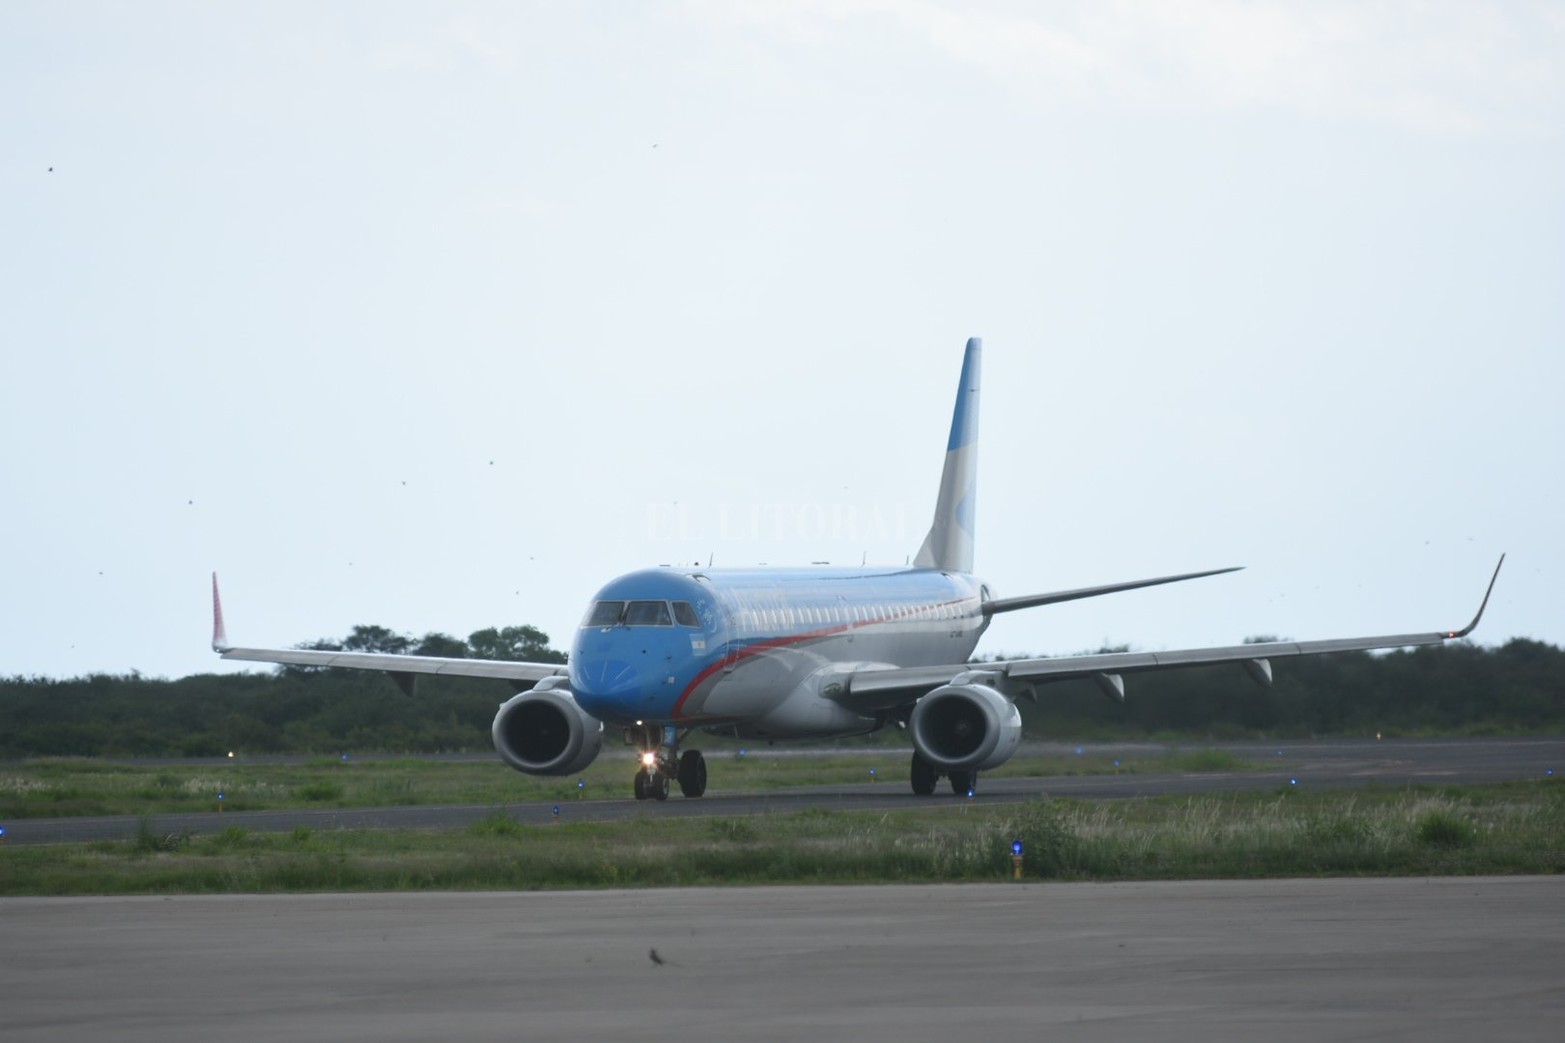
949, 544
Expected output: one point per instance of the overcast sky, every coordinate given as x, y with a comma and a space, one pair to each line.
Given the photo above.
439, 316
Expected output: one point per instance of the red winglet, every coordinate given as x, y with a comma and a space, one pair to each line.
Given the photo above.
219, 633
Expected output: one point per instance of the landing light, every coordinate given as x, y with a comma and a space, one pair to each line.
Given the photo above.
649, 759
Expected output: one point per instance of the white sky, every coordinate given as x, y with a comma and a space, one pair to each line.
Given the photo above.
438, 316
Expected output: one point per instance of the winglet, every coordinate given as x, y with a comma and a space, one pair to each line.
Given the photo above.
219, 632
1469, 628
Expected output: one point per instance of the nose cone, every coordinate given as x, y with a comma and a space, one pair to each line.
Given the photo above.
623, 674
603, 677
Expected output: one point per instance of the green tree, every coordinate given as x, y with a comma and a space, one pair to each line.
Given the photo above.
523, 644
376, 639
443, 646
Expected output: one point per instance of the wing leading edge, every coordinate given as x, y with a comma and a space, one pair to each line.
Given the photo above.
872, 690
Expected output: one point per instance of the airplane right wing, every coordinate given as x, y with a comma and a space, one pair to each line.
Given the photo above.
872, 690
401, 667
398, 664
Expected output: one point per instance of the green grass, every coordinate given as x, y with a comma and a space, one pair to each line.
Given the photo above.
1506, 828
52, 788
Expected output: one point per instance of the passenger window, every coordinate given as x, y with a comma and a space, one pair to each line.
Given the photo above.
604, 614
685, 615
648, 614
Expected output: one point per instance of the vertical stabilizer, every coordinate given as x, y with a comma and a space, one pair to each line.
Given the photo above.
949, 544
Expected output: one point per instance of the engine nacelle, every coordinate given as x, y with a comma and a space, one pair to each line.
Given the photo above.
965, 727
544, 732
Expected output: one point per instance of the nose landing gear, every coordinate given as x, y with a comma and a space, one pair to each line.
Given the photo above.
662, 763
650, 783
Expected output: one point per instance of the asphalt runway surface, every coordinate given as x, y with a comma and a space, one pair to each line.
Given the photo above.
1304, 763
1343, 959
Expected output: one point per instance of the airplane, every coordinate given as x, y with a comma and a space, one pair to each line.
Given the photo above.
805, 654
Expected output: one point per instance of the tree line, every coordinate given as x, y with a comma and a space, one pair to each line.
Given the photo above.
1452, 689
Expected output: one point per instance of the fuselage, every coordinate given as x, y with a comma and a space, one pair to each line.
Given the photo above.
755, 650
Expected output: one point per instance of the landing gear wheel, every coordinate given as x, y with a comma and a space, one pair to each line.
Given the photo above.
643, 780
658, 787
962, 782
692, 773
924, 776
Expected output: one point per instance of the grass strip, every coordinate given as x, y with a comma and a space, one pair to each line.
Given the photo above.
1503, 828
59, 788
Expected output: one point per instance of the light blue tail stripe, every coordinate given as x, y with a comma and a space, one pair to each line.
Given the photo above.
964, 421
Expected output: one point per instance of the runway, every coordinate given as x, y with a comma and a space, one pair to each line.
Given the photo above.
1304, 763
1281, 960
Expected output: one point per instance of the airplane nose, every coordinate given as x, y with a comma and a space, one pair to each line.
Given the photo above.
607, 677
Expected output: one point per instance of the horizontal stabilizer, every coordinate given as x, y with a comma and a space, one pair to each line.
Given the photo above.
1033, 600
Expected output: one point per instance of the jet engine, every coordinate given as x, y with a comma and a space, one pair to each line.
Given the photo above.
965, 727
544, 732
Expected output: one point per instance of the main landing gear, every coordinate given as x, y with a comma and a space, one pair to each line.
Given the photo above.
662, 763
925, 776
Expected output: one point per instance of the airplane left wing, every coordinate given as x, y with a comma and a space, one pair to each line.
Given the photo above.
872, 690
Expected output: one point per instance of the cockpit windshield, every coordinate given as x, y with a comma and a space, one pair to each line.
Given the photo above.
604, 614
641, 614
648, 614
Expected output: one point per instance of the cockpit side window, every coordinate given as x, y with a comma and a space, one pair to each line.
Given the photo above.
604, 614
648, 614
685, 615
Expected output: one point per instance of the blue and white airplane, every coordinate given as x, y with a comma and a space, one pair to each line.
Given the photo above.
778, 654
